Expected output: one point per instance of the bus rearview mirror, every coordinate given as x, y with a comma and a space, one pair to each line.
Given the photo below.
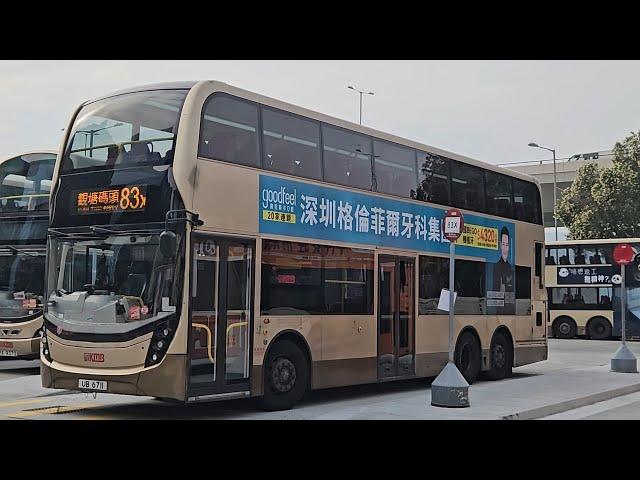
168, 244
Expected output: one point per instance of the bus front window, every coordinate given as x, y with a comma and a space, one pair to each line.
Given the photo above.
125, 130
25, 182
21, 282
110, 285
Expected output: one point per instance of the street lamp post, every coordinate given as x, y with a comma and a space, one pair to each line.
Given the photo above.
555, 220
360, 92
93, 133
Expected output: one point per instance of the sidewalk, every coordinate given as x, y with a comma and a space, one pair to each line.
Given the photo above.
530, 393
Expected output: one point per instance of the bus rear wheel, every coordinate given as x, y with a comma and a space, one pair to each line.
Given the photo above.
467, 357
599, 328
564, 327
500, 357
286, 376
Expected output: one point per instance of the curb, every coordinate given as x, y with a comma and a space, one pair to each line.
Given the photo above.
572, 404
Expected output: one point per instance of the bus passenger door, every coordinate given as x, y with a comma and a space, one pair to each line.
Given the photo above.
396, 316
221, 303
539, 298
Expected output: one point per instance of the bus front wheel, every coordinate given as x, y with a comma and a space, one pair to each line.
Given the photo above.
286, 376
564, 327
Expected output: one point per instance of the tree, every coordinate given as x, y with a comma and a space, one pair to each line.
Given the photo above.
605, 202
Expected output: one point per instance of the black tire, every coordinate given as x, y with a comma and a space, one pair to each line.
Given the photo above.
286, 376
565, 327
467, 357
500, 357
599, 328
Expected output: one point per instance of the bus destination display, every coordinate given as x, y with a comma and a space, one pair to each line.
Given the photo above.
129, 198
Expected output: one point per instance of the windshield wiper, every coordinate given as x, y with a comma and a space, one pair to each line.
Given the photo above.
146, 231
58, 233
23, 252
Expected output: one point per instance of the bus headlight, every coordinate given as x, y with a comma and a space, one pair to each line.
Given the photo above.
159, 344
45, 345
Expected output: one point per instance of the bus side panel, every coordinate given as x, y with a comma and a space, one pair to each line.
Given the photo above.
221, 204
349, 351
432, 339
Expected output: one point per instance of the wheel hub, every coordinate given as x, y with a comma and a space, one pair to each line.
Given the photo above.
283, 376
464, 357
564, 328
499, 356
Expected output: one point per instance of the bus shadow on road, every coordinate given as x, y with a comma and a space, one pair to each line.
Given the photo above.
30, 367
248, 408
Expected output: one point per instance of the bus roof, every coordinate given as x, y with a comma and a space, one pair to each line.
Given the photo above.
595, 241
258, 98
44, 151
145, 88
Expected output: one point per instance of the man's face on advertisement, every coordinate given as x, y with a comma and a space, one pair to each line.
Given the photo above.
504, 246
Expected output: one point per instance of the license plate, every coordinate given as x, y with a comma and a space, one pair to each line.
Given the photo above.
92, 385
8, 353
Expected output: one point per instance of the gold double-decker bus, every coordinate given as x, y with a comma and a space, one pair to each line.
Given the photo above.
25, 185
206, 242
583, 285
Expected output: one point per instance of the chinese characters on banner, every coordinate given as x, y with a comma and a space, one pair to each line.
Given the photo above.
586, 275
319, 212
299, 209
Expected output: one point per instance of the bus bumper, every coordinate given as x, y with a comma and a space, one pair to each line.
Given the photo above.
530, 353
165, 380
21, 348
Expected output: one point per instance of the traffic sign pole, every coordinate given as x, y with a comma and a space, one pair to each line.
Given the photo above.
450, 389
623, 299
452, 278
623, 361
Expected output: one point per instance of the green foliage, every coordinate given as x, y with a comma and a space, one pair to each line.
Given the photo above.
605, 202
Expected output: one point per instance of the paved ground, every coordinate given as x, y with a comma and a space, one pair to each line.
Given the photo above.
18, 368
626, 407
577, 369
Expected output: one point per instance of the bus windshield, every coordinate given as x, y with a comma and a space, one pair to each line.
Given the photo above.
25, 182
21, 281
125, 130
110, 285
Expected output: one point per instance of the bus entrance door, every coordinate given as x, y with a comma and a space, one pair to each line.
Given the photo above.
396, 316
221, 302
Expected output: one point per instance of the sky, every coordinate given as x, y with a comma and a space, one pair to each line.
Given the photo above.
487, 110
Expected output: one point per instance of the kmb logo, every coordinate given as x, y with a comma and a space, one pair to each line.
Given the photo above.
94, 357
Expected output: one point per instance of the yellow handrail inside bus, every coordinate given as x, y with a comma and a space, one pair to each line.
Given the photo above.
205, 327
234, 325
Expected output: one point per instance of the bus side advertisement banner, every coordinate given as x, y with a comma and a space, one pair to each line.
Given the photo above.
586, 275
298, 209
